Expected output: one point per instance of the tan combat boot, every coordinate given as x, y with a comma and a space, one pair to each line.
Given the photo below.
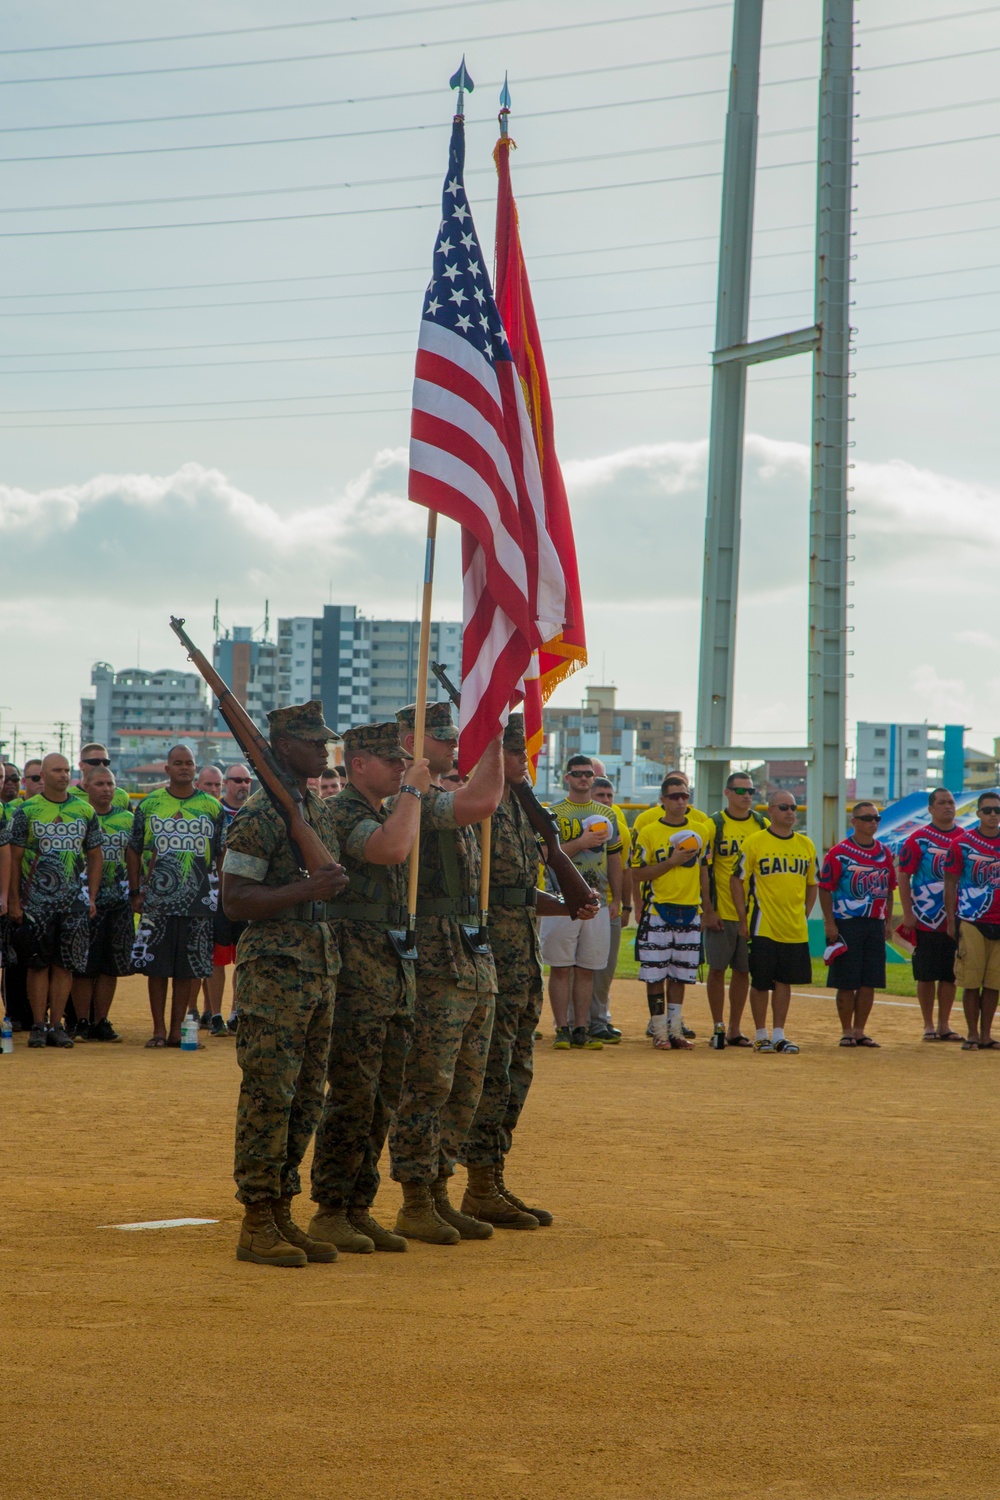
483, 1199
418, 1218
541, 1214
468, 1227
333, 1225
313, 1249
260, 1241
381, 1238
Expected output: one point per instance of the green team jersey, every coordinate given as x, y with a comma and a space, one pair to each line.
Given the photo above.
121, 800
56, 838
116, 826
179, 839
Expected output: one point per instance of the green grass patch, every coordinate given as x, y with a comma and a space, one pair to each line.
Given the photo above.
899, 976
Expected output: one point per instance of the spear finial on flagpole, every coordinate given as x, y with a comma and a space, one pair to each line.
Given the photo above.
461, 81
504, 108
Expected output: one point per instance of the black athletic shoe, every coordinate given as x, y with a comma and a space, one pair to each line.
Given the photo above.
205, 1020
688, 1033
231, 1025
103, 1031
610, 1035
57, 1036
581, 1037
218, 1027
37, 1037
81, 1031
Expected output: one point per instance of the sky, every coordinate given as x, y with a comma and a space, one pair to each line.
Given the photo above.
213, 252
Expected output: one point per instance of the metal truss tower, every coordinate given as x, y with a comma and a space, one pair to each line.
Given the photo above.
828, 339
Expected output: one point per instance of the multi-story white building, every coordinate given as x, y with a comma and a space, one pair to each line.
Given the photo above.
135, 710
896, 759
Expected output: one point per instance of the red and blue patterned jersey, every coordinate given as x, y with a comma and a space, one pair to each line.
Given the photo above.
922, 857
860, 878
975, 859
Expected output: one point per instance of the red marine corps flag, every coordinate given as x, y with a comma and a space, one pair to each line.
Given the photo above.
473, 458
565, 650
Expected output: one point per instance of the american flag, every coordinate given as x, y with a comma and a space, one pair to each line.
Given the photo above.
473, 458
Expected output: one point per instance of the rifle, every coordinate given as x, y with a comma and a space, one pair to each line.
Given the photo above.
574, 889
307, 846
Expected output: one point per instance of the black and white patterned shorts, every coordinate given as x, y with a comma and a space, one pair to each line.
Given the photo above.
112, 934
667, 952
173, 947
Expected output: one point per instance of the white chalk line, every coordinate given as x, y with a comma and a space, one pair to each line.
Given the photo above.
159, 1224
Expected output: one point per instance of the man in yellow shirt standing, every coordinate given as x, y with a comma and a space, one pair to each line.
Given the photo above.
671, 854
725, 944
777, 870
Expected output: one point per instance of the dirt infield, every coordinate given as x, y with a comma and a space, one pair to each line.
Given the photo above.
768, 1276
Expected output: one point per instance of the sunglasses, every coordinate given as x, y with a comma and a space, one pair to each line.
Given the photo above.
94, 761
32, 778
785, 807
741, 791
874, 817
239, 780
581, 775
452, 776
992, 811
678, 796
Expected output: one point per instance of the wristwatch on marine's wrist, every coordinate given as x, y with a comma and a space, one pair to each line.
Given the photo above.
413, 791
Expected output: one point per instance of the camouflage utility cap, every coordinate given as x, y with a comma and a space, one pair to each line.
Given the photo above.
513, 735
438, 723
376, 739
304, 721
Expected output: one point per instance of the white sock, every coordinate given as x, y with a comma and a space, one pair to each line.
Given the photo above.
674, 1019
762, 1033
778, 1034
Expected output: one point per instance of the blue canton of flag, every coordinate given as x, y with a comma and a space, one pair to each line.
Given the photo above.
459, 295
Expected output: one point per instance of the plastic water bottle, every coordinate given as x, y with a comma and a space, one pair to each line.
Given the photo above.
6, 1035
189, 1034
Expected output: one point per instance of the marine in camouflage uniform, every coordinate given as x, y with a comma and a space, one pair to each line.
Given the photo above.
373, 1018
443, 1077
286, 966
514, 856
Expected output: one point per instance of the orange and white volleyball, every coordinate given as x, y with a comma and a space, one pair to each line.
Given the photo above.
603, 824
688, 840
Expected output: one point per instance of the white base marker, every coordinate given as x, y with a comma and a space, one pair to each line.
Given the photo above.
159, 1224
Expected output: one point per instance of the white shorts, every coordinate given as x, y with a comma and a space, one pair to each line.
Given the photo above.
568, 944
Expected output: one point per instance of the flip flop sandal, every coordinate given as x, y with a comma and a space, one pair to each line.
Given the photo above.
156, 1041
970, 1046
738, 1041
949, 1036
988, 1046
866, 1041
932, 1036
847, 1041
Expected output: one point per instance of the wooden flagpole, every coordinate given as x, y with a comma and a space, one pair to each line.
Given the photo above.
420, 713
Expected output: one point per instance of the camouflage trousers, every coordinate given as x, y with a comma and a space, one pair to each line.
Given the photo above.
368, 1047
281, 1046
509, 1071
442, 1080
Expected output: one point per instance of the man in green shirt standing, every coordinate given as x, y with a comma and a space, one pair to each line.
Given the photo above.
175, 843
55, 875
112, 930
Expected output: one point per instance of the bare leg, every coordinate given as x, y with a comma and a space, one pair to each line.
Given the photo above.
583, 994
739, 986
925, 996
758, 1008
37, 984
104, 993
845, 1010
158, 1005
212, 990
83, 994
184, 994
780, 1002
863, 1009
716, 987
946, 999
970, 1004
560, 989
988, 1010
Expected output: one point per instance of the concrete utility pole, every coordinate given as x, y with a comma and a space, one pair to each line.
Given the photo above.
829, 340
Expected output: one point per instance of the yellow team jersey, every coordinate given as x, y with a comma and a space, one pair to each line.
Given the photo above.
776, 873
624, 832
680, 886
725, 853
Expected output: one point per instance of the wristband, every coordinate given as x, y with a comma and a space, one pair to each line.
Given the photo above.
412, 791
626, 908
